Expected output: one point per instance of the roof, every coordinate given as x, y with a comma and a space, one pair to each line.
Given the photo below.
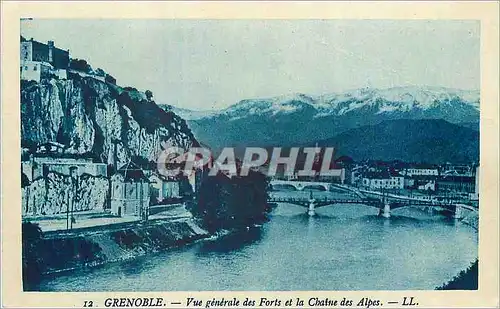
457, 179
423, 177
381, 175
424, 166
456, 173
164, 178
132, 172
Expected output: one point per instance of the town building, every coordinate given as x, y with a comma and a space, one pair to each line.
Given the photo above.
383, 180
475, 196
409, 182
424, 182
163, 188
130, 194
458, 169
458, 184
459, 179
420, 176
339, 177
422, 170
345, 163
356, 177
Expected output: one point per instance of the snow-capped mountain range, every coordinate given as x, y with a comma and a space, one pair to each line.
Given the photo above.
189, 114
300, 119
396, 99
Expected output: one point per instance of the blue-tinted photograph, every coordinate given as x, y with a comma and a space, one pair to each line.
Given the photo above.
249, 155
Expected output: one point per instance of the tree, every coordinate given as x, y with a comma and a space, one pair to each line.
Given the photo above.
232, 203
149, 95
32, 261
128, 88
100, 72
110, 79
80, 65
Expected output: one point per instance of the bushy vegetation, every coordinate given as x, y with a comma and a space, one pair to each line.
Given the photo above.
32, 261
149, 115
465, 280
27, 84
100, 72
232, 203
80, 65
110, 79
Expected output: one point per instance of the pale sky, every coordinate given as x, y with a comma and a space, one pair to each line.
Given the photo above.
206, 64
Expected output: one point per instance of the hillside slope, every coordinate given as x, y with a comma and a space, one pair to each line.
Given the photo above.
428, 140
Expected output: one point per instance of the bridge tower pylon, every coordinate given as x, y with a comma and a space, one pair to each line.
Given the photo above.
386, 212
311, 210
458, 213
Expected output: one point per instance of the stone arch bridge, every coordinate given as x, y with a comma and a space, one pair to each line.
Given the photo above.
301, 185
384, 203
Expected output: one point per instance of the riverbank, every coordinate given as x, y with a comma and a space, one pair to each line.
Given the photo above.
59, 252
467, 279
471, 219
341, 248
68, 253
65, 252
305, 235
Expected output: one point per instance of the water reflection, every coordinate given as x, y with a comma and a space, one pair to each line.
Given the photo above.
311, 225
134, 267
232, 242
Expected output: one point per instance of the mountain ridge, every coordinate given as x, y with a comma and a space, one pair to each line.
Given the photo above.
422, 140
406, 96
299, 118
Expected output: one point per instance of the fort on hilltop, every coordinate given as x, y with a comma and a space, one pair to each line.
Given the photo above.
40, 60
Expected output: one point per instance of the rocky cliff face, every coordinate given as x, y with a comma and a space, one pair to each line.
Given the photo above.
88, 117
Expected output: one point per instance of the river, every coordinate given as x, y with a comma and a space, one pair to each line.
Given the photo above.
343, 247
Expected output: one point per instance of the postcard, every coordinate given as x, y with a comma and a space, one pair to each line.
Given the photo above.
250, 155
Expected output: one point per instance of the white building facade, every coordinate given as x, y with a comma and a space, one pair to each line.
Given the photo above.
422, 172
375, 183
